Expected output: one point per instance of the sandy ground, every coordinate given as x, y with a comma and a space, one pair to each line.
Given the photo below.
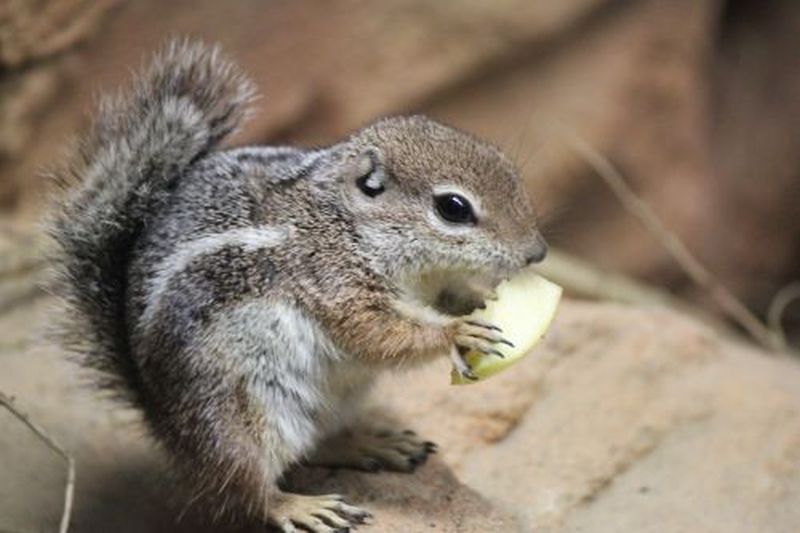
625, 419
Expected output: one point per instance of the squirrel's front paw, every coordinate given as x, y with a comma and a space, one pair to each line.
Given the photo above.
474, 335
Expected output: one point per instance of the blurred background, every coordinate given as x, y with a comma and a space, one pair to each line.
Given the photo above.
696, 102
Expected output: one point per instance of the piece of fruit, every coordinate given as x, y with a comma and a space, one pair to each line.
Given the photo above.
524, 309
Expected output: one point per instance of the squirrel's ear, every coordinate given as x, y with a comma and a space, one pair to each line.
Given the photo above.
372, 175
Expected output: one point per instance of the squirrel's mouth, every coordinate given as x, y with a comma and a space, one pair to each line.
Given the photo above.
455, 293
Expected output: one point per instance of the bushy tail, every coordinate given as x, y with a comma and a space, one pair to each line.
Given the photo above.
182, 105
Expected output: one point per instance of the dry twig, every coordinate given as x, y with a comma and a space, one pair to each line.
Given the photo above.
698, 273
785, 297
69, 488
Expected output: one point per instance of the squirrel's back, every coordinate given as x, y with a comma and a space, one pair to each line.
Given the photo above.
139, 145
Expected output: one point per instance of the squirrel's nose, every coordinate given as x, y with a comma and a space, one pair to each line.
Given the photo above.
537, 252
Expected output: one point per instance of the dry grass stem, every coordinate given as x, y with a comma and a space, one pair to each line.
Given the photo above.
785, 297
725, 300
69, 488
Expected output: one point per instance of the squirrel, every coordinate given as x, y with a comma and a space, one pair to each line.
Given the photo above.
244, 299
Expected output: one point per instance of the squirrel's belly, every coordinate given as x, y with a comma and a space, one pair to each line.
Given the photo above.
344, 383
338, 376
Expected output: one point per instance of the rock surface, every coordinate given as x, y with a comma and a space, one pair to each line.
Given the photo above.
626, 419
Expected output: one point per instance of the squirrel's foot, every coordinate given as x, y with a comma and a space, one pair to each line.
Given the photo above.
292, 513
371, 451
474, 335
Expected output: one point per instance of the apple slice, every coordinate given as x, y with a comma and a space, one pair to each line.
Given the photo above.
524, 309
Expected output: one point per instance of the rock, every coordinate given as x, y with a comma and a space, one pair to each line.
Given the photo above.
625, 419
122, 482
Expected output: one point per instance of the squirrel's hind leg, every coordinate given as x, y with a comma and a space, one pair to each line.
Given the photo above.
235, 402
373, 450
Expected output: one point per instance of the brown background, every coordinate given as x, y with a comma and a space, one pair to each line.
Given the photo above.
696, 101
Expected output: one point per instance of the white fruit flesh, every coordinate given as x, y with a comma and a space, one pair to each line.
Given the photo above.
524, 309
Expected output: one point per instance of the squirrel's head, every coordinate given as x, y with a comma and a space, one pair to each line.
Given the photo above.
429, 199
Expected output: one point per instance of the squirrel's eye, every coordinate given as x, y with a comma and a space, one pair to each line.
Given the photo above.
371, 184
455, 208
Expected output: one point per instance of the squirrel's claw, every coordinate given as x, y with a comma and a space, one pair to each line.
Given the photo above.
492, 336
483, 325
478, 336
461, 365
